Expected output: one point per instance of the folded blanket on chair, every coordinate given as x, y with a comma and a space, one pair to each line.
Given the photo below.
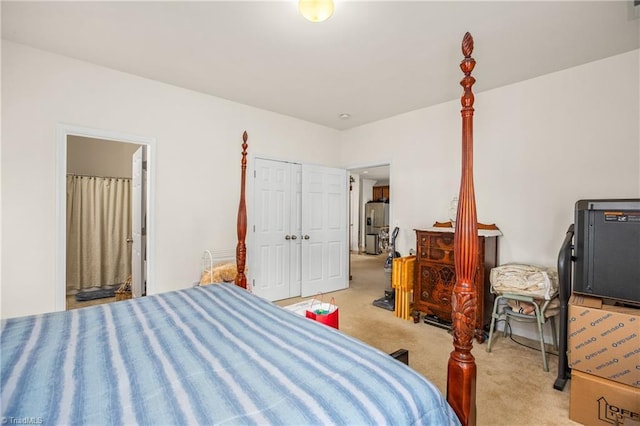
526, 280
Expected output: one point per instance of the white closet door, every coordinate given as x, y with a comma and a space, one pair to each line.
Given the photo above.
324, 228
274, 245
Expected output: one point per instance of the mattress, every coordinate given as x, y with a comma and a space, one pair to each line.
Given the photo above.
204, 355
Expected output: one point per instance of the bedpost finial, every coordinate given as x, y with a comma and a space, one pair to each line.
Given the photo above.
244, 147
467, 45
468, 63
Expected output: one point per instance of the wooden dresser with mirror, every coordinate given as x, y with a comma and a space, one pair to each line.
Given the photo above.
435, 275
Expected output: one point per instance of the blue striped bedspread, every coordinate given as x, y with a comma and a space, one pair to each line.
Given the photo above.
204, 355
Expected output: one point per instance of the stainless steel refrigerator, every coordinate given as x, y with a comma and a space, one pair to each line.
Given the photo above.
377, 219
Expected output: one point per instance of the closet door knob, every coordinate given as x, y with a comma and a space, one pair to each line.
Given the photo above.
306, 237
287, 237
294, 237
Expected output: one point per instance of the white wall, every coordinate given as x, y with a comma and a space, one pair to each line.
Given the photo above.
540, 146
97, 157
198, 140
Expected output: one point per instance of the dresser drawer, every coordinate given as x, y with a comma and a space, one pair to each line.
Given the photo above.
436, 246
442, 240
440, 255
422, 245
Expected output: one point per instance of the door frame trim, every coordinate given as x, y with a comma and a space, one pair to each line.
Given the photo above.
63, 131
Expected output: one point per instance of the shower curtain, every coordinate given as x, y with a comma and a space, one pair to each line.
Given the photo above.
98, 230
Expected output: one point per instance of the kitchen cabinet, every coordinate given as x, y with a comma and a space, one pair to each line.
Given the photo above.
380, 193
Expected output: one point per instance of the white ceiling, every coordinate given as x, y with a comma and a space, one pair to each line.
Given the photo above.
377, 173
372, 59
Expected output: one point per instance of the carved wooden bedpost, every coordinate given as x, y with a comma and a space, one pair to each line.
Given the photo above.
241, 248
461, 375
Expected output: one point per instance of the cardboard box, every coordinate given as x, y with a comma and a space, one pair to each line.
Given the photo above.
598, 401
604, 340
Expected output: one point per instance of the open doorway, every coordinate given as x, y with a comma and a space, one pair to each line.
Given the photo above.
369, 185
104, 212
370, 219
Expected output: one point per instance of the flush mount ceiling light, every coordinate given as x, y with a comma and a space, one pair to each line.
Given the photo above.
316, 10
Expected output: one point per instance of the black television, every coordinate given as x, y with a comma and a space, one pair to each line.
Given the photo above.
607, 249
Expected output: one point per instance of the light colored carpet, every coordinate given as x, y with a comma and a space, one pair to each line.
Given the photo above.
511, 387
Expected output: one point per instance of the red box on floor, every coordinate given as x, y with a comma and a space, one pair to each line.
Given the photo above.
598, 401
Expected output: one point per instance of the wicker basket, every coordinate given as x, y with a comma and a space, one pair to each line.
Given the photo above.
124, 291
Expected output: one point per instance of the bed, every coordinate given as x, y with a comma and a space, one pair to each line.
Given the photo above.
220, 355
204, 355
